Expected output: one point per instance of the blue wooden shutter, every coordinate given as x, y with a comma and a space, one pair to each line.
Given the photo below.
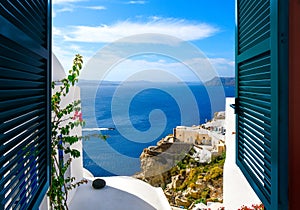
262, 90
25, 77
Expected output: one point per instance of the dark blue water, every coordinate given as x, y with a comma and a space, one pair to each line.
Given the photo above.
128, 109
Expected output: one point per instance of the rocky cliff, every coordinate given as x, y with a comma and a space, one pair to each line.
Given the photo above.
192, 182
185, 181
157, 161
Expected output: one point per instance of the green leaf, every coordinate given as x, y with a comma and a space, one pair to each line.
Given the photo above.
70, 77
75, 153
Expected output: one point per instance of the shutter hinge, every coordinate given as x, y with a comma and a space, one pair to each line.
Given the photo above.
235, 106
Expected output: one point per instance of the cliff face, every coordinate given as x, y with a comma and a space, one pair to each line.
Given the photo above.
157, 161
193, 183
184, 180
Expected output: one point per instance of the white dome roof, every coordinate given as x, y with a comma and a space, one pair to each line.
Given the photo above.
58, 72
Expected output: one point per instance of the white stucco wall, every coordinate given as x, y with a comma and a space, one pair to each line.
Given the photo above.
236, 189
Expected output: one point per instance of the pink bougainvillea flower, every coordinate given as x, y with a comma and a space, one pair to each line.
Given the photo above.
80, 117
77, 115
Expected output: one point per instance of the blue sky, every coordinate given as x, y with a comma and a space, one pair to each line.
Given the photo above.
86, 26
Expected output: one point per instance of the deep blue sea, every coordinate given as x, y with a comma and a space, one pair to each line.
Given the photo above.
141, 113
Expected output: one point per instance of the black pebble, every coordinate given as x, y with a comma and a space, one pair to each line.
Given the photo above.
98, 183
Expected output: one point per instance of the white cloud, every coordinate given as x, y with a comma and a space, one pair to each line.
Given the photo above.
221, 61
96, 7
136, 2
65, 51
65, 9
223, 66
67, 6
108, 33
56, 31
62, 6
65, 1
155, 18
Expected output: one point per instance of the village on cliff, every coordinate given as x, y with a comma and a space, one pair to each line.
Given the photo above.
188, 164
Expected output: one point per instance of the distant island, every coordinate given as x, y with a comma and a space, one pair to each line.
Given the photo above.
216, 81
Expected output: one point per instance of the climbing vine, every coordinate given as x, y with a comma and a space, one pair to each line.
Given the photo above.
64, 120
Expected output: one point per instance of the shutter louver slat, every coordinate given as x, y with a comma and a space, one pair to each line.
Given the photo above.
258, 143
25, 77
253, 25
255, 115
20, 52
255, 89
253, 14
15, 84
255, 63
253, 76
21, 188
258, 24
19, 56
260, 83
16, 65
11, 172
7, 159
15, 113
259, 130
38, 8
20, 18
14, 94
19, 102
251, 169
258, 109
242, 4
41, 5
34, 18
261, 27
245, 7
259, 122
17, 175
257, 166
257, 102
259, 96
17, 137
255, 41
7, 125
12, 74
20, 38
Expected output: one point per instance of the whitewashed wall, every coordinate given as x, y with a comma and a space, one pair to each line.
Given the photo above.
236, 190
